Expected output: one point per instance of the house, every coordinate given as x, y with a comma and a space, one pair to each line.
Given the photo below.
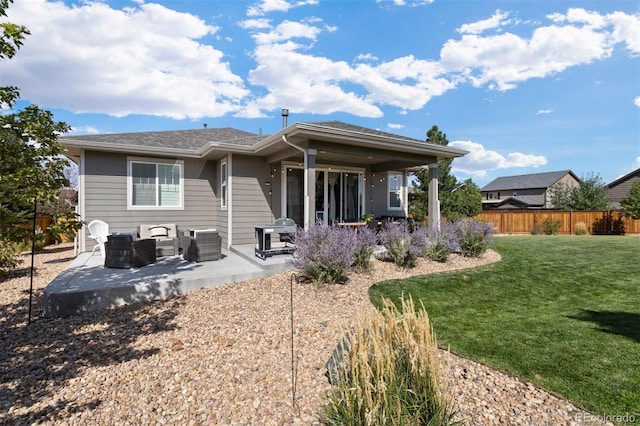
525, 191
233, 180
619, 189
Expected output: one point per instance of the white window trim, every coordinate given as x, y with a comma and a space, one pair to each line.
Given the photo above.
401, 195
224, 182
131, 160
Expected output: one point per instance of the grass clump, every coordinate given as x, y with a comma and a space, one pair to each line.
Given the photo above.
388, 373
581, 229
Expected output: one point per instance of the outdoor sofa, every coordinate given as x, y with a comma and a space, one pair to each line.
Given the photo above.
166, 237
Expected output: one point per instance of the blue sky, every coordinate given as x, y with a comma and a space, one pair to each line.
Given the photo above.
525, 86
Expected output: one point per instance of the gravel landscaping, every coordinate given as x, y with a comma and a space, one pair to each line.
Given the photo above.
216, 356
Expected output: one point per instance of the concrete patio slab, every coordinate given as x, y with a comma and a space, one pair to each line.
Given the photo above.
87, 286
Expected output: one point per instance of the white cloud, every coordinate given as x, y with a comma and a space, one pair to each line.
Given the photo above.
480, 160
412, 3
636, 101
83, 130
267, 6
626, 29
501, 61
313, 84
139, 60
148, 59
544, 111
498, 19
394, 126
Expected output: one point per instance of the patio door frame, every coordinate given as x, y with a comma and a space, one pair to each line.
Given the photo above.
343, 170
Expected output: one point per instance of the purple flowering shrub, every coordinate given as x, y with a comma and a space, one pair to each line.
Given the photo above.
403, 246
365, 243
324, 254
474, 237
441, 243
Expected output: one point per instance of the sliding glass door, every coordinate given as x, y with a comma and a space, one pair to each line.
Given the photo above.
339, 196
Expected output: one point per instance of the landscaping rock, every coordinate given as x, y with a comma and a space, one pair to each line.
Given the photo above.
217, 356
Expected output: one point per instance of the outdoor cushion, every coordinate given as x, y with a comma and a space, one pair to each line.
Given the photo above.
196, 231
159, 231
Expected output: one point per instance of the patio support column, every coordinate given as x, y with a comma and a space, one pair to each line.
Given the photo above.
310, 187
434, 203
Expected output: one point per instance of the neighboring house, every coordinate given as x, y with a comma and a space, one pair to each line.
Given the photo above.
525, 191
619, 188
232, 180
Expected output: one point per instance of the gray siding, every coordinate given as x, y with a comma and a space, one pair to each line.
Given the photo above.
105, 183
251, 204
621, 191
377, 195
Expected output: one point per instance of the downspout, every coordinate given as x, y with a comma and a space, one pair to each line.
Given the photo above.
306, 186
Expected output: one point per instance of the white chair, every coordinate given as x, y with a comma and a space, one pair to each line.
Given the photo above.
99, 231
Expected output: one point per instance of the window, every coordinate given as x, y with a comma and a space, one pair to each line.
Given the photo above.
493, 196
394, 184
155, 184
223, 184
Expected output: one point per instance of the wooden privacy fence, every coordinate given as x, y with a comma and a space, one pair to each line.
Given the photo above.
525, 221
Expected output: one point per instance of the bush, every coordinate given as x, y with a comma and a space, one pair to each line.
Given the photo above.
581, 229
403, 246
537, 229
365, 243
387, 373
473, 237
324, 254
441, 243
9, 256
551, 226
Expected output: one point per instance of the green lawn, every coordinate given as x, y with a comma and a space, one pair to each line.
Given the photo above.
560, 311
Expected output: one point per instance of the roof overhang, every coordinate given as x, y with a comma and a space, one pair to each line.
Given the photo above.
380, 152
332, 146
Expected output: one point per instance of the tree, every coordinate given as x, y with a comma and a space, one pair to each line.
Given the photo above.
631, 204
465, 200
31, 162
590, 194
453, 204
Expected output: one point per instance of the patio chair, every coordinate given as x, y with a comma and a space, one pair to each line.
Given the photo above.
124, 250
98, 230
202, 246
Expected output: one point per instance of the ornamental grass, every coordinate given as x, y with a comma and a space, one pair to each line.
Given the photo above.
387, 372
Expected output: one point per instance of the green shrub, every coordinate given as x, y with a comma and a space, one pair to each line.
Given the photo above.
9, 256
387, 372
551, 226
